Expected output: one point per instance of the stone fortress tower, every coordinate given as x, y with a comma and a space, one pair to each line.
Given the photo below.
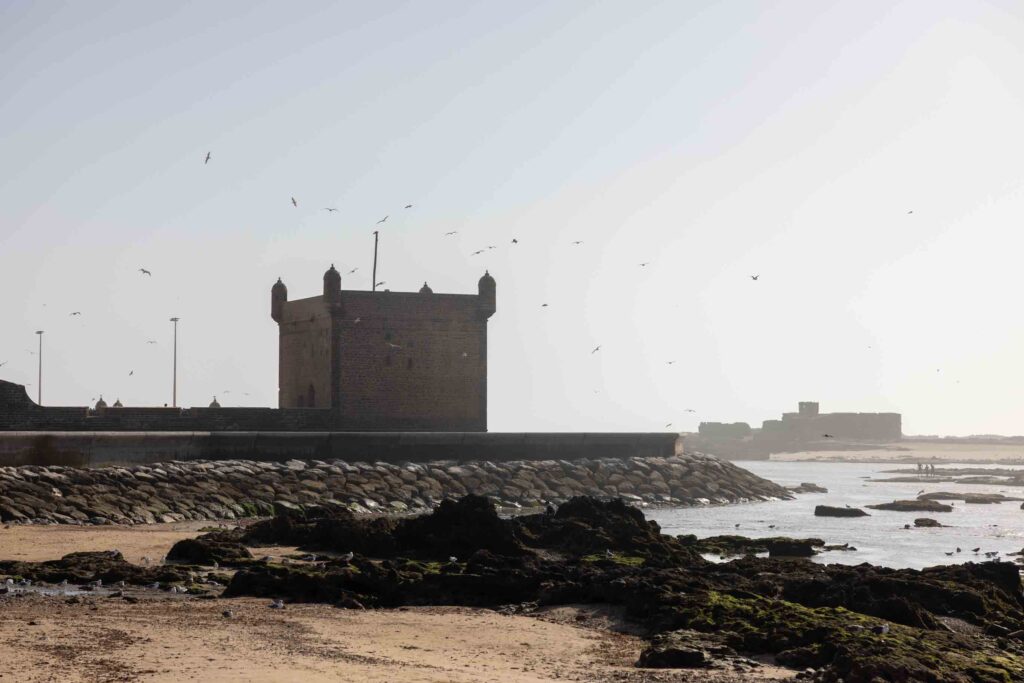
386, 360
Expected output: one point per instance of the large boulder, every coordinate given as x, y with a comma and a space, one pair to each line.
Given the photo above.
829, 511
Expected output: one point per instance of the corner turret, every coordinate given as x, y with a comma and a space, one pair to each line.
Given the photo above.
425, 289
486, 290
332, 284
278, 298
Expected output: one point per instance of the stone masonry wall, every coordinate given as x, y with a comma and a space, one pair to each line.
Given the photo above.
203, 490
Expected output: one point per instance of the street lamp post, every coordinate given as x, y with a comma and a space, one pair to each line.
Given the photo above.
39, 379
174, 398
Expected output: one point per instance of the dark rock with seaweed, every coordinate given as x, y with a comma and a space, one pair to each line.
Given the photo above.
858, 624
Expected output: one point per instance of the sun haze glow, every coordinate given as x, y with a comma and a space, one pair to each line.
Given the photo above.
861, 158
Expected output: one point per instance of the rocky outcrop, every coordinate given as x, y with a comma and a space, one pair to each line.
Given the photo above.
852, 623
919, 505
829, 511
207, 490
927, 523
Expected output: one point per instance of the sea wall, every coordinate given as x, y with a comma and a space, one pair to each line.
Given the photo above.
103, 448
206, 490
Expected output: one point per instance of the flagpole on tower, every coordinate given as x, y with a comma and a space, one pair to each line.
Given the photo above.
376, 237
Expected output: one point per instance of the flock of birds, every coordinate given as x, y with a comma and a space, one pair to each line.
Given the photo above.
145, 272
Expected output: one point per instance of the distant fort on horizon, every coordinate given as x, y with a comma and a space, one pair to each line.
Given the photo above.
795, 431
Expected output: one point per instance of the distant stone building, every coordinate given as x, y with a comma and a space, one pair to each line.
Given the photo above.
809, 424
386, 360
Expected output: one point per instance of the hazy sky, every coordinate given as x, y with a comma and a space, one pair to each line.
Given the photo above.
714, 140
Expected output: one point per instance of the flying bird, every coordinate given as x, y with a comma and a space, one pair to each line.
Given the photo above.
515, 241
76, 313
670, 362
408, 206
577, 242
379, 283
145, 272
465, 355
543, 305
668, 425
382, 220
131, 372
754, 277
645, 264
827, 436
327, 208
3, 364
352, 271
491, 246
356, 321
478, 251
910, 212
453, 232
596, 349
689, 410
294, 203
207, 159
151, 341
394, 346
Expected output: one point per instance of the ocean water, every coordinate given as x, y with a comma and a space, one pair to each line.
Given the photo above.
880, 539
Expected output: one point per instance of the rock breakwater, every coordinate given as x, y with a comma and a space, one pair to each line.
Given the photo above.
208, 490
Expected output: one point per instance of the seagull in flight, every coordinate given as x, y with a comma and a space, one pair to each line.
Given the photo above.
379, 283
596, 349
577, 243
645, 264
827, 436
145, 272
668, 425
75, 313
3, 364
329, 209
754, 277
491, 246
670, 362
294, 203
353, 270
151, 341
131, 372
910, 212
543, 305
408, 206
394, 346
515, 241
207, 159
357, 321
689, 410
382, 220
478, 251
453, 232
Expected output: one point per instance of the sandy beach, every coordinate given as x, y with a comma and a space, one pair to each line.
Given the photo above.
910, 451
157, 637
